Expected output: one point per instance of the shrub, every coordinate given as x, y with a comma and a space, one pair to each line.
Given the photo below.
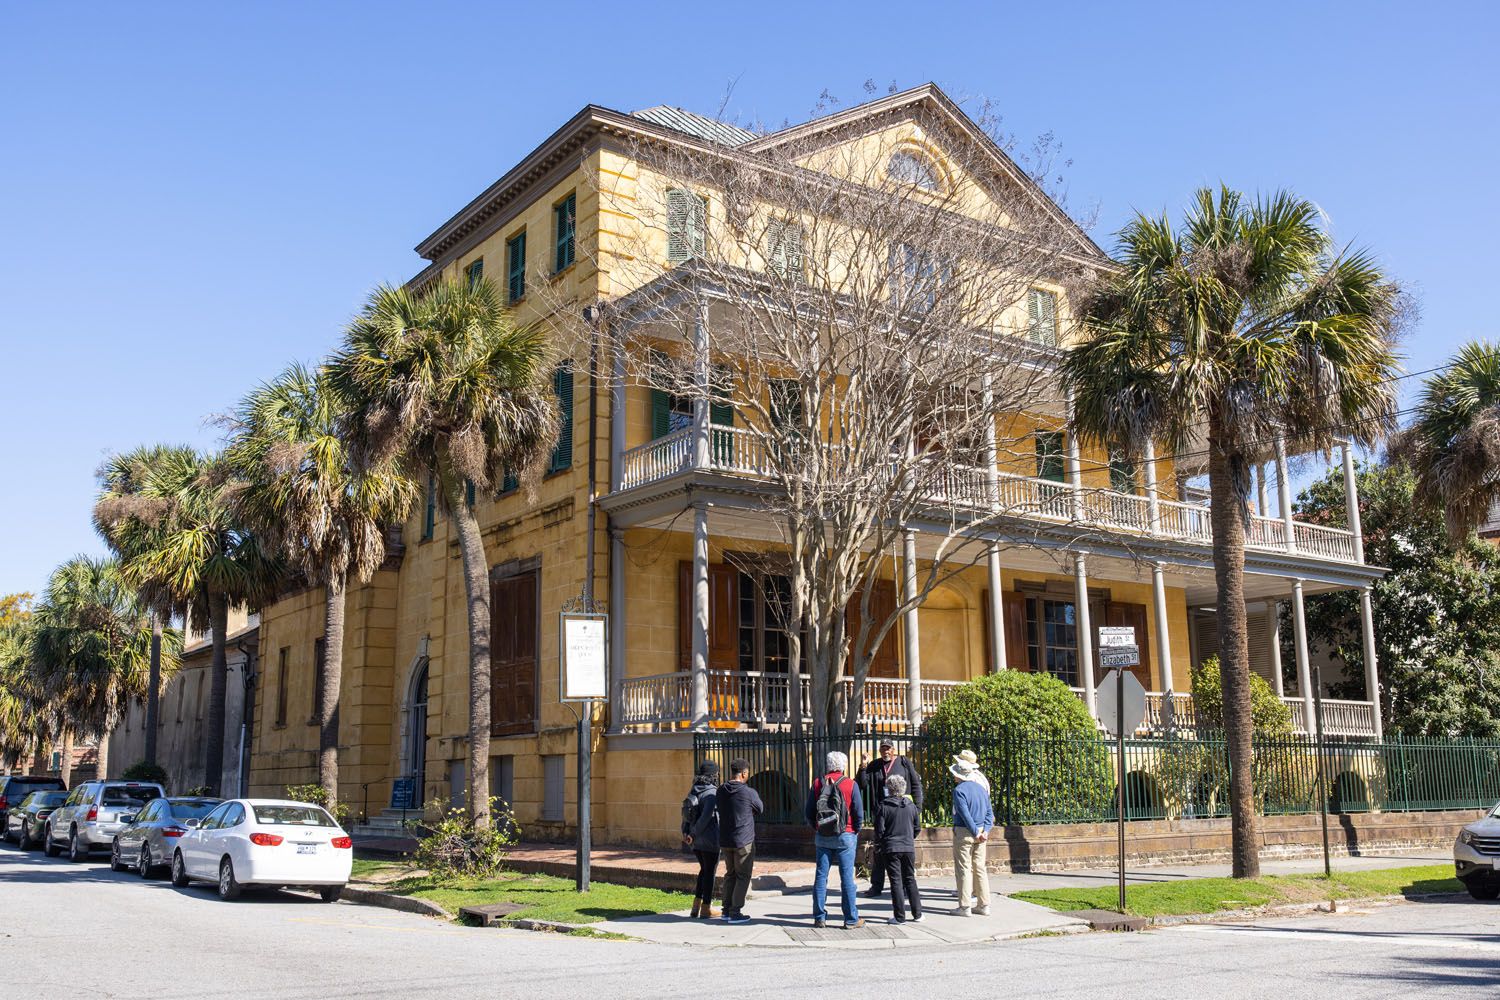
317, 795
451, 848
145, 770
198, 791
1268, 714
1036, 744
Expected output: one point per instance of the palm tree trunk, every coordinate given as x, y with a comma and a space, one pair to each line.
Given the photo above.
218, 625
477, 592
328, 697
65, 766
153, 689
39, 759
101, 756
1226, 511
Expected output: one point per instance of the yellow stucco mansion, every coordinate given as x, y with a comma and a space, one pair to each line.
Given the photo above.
690, 643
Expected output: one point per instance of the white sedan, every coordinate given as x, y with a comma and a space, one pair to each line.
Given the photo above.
269, 842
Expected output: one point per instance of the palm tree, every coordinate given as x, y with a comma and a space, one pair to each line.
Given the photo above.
1454, 444
130, 521
26, 719
90, 641
1246, 325
194, 546
302, 493
442, 383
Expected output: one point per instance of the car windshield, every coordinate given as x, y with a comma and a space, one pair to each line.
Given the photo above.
1495, 813
292, 816
124, 795
193, 810
44, 799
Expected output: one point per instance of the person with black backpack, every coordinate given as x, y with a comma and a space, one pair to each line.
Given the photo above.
835, 811
700, 834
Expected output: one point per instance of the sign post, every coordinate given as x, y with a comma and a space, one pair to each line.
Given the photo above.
1121, 703
582, 646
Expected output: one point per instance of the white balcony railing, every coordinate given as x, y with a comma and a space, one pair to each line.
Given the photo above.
1340, 717
743, 451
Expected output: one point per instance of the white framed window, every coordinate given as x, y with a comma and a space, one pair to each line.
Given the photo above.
910, 167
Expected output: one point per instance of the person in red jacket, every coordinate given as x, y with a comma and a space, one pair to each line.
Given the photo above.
835, 811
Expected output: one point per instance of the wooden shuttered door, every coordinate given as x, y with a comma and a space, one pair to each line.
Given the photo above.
887, 660
513, 655
1014, 609
723, 616
1117, 613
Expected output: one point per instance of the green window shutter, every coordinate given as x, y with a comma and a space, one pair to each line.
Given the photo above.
784, 249
469, 492
429, 518
562, 385
1049, 455
509, 482
661, 414
515, 275
721, 414
1041, 308
475, 271
687, 216
565, 221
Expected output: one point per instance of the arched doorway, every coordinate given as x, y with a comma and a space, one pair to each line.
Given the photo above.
416, 731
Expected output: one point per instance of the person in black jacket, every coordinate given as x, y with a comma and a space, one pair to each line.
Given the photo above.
896, 824
738, 805
700, 833
872, 781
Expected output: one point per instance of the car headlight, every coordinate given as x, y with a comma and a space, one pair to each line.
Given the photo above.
1466, 836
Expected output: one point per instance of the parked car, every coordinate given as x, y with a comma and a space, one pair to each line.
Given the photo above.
1476, 853
147, 842
15, 787
265, 842
26, 821
94, 812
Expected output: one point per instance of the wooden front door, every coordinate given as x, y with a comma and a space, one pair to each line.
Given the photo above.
513, 655
1117, 613
886, 661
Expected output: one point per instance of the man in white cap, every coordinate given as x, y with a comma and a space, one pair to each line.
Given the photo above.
973, 818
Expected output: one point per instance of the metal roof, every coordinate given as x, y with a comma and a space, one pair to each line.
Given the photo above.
704, 128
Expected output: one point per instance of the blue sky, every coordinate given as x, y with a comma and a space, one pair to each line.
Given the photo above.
192, 196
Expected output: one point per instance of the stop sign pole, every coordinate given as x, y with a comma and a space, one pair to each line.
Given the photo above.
1117, 651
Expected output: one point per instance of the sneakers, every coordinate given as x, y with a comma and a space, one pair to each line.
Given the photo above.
917, 919
736, 918
961, 911
895, 920
820, 923
856, 925
981, 911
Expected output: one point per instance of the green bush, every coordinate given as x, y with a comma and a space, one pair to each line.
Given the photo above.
451, 849
145, 770
1268, 714
1036, 744
318, 796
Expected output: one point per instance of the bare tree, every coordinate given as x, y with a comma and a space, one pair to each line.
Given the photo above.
845, 311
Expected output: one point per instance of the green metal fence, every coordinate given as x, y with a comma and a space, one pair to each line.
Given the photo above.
1072, 780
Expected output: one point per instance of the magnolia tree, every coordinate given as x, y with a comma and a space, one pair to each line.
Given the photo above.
848, 316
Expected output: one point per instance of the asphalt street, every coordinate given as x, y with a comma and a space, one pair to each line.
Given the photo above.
98, 934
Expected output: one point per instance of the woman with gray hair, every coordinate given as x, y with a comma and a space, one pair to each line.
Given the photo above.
896, 825
835, 811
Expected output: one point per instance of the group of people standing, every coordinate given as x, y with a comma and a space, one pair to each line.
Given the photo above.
719, 819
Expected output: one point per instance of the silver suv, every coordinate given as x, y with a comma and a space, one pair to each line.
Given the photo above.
94, 812
1476, 856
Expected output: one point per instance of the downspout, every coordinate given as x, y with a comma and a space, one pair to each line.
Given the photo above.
247, 716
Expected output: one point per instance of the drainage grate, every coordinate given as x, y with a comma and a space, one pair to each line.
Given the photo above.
869, 932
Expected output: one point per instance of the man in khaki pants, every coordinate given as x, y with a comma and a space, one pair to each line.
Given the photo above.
973, 817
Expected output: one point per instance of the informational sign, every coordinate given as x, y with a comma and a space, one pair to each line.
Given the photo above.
585, 676
404, 793
1116, 635
1107, 699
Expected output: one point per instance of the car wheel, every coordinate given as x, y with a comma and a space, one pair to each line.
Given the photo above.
76, 850
25, 842
143, 863
228, 887
49, 846
179, 871
331, 893
1483, 890
115, 863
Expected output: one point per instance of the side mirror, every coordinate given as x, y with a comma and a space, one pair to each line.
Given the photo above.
191, 824
128, 819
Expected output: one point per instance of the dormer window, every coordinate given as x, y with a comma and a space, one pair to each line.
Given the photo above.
906, 167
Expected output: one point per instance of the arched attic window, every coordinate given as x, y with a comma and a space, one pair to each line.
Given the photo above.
910, 167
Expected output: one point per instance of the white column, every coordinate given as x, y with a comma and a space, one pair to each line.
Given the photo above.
1284, 493
1372, 677
1153, 498
1075, 464
616, 630
1351, 503
1262, 502
701, 377
1163, 632
911, 638
1085, 630
1304, 673
997, 609
699, 711
617, 417
1275, 612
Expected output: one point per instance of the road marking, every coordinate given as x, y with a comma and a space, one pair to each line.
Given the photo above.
1458, 941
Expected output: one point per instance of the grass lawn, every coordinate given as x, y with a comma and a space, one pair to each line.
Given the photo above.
1210, 895
543, 897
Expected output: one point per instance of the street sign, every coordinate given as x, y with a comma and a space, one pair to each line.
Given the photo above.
584, 677
1108, 701
1116, 635
1111, 657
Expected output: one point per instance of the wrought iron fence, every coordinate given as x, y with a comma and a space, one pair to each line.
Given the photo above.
1072, 779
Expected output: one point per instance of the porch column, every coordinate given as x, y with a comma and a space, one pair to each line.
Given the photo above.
617, 416
1262, 501
1372, 678
909, 634
1075, 469
1163, 635
699, 708
701, 410
616, 630
1153, 499
1351, 502
1085, 630
1304, 674
997, 609
1284, 493
1275, 611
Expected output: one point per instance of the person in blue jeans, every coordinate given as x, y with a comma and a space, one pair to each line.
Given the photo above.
835, 818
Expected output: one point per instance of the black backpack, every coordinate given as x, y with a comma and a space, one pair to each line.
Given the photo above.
831, 814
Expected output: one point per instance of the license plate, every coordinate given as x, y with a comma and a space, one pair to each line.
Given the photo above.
307, 848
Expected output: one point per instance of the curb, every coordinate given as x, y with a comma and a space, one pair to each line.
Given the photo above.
1297, 909
390, 901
